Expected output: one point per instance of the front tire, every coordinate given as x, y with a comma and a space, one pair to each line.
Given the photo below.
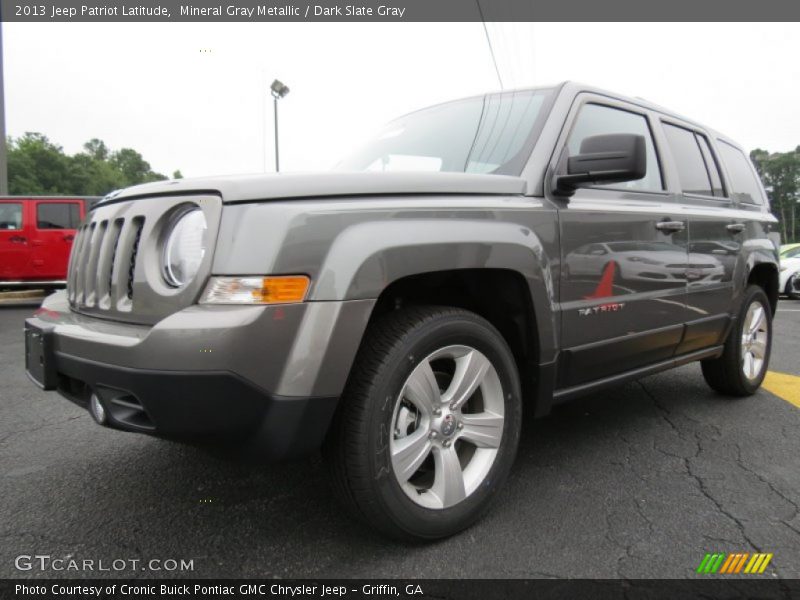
745, 359
428, 425
793, 287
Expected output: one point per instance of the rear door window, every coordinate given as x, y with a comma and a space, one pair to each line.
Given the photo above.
10, 216
691, 162
58, 215
744, 182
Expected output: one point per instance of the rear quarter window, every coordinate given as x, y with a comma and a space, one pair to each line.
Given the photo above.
744, 183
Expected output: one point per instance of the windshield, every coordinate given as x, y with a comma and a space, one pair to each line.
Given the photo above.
488, 134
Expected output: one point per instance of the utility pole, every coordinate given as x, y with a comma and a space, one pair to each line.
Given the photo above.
3, 148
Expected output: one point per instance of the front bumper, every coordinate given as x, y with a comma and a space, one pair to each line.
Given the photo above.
205, 406
209, 372
783, 281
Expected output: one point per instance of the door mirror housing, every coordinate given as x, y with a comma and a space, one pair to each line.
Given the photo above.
612, 158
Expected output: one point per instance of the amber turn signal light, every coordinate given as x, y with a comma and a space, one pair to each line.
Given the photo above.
278, 289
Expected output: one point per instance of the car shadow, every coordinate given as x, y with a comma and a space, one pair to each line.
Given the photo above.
237, 517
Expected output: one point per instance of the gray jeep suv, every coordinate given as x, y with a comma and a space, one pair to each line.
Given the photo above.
477, 259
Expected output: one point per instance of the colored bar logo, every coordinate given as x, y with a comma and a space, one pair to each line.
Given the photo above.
734, 563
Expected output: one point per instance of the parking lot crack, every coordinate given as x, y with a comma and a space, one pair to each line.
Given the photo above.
707, 493
787, 522
43, 425
662, 411
765, 481
625, 462
612, 537
691, 471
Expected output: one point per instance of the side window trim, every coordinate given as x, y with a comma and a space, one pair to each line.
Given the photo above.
707, 152
584, 99
725, 198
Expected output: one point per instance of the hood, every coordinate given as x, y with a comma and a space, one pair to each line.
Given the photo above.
791, 262
242, 188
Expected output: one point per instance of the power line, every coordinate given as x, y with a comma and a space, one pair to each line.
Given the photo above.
489, 41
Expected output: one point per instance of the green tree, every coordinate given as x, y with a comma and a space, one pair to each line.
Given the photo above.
133, 167
95, 177
97, 149
38, 166
780, 174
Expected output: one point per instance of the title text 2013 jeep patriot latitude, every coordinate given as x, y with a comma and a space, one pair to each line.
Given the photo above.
478, 258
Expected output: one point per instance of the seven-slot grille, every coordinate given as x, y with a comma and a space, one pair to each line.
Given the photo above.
103, 263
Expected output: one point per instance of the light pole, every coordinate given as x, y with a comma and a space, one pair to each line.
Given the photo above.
279, 90
3, 148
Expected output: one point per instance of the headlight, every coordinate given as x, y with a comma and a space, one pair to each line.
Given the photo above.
185, 247
281, 289
642, 259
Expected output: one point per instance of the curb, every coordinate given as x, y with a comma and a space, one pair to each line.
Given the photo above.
22, 297
20, 294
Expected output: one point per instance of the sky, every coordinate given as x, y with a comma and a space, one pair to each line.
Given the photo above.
194, 96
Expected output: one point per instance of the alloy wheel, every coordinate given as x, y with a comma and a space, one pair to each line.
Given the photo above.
755, 336
447, 427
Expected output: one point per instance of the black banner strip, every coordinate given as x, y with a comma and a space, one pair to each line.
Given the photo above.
443, 589
41, 11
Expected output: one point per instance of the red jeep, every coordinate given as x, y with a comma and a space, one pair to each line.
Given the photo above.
36, 236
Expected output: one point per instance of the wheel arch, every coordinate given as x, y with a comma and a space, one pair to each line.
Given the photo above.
765, 275
372, 260
501, 296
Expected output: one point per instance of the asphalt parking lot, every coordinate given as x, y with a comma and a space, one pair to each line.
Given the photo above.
640, 481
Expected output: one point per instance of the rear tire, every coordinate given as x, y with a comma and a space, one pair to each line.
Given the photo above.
417, 451
745, 359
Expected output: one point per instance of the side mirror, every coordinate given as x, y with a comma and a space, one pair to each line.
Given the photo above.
609, 158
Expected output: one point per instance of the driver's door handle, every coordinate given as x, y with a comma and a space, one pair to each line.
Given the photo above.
670, 226
17, 239
735, 227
